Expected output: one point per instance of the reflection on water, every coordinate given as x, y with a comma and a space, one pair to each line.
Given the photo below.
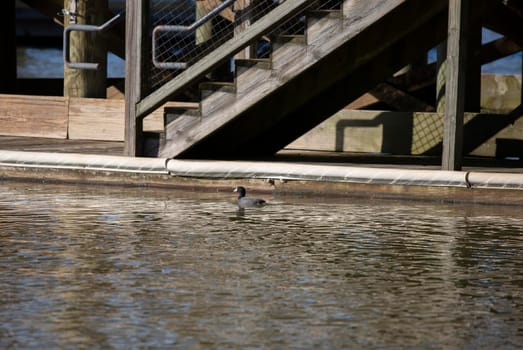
137, 268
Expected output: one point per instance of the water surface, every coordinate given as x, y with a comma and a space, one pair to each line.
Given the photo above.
122, 268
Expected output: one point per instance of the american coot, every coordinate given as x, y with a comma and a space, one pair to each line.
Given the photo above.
247, 202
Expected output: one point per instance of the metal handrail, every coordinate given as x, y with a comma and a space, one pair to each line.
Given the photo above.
179, 28
85, 28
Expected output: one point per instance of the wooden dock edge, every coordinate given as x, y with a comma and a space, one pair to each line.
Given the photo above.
320, 181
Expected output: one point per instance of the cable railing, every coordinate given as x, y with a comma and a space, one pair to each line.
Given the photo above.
185, 31
200, 22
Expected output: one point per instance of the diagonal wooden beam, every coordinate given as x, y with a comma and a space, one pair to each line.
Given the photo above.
497, 49
503, 20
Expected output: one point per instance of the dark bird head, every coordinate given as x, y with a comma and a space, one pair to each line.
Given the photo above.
241, 191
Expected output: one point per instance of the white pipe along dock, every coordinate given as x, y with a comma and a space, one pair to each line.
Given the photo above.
328, 179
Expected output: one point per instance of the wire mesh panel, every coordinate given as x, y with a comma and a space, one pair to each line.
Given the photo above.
184, 31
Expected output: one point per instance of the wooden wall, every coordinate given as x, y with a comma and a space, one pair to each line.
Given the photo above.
69, 117
36, 116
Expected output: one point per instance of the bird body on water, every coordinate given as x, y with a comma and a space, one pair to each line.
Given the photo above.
247, 202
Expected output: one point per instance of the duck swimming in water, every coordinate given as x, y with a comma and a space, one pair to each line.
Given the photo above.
247, 202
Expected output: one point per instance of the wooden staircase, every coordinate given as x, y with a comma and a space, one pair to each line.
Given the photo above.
342, 54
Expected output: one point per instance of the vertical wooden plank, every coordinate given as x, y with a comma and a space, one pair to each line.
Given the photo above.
8, 44
87, 47
137, 12
455, 85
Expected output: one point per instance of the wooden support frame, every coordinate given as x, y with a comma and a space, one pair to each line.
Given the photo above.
137, 18
457, 45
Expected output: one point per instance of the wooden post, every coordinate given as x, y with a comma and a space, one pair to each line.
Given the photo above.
441, 72
137, 19
455, 85
87, 47
8, 44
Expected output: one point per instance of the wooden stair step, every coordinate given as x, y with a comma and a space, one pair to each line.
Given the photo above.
283, 39
172, 113
264, 63
215, 95
211, 86
286, 49
323, 24
251, 72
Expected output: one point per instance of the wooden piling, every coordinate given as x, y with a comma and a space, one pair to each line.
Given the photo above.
86, 47
137, 19
457, 44
8, 44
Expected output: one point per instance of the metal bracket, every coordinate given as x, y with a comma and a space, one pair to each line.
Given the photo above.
85, 28
178, 28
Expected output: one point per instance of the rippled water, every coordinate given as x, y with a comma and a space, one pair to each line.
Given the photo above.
143, 268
